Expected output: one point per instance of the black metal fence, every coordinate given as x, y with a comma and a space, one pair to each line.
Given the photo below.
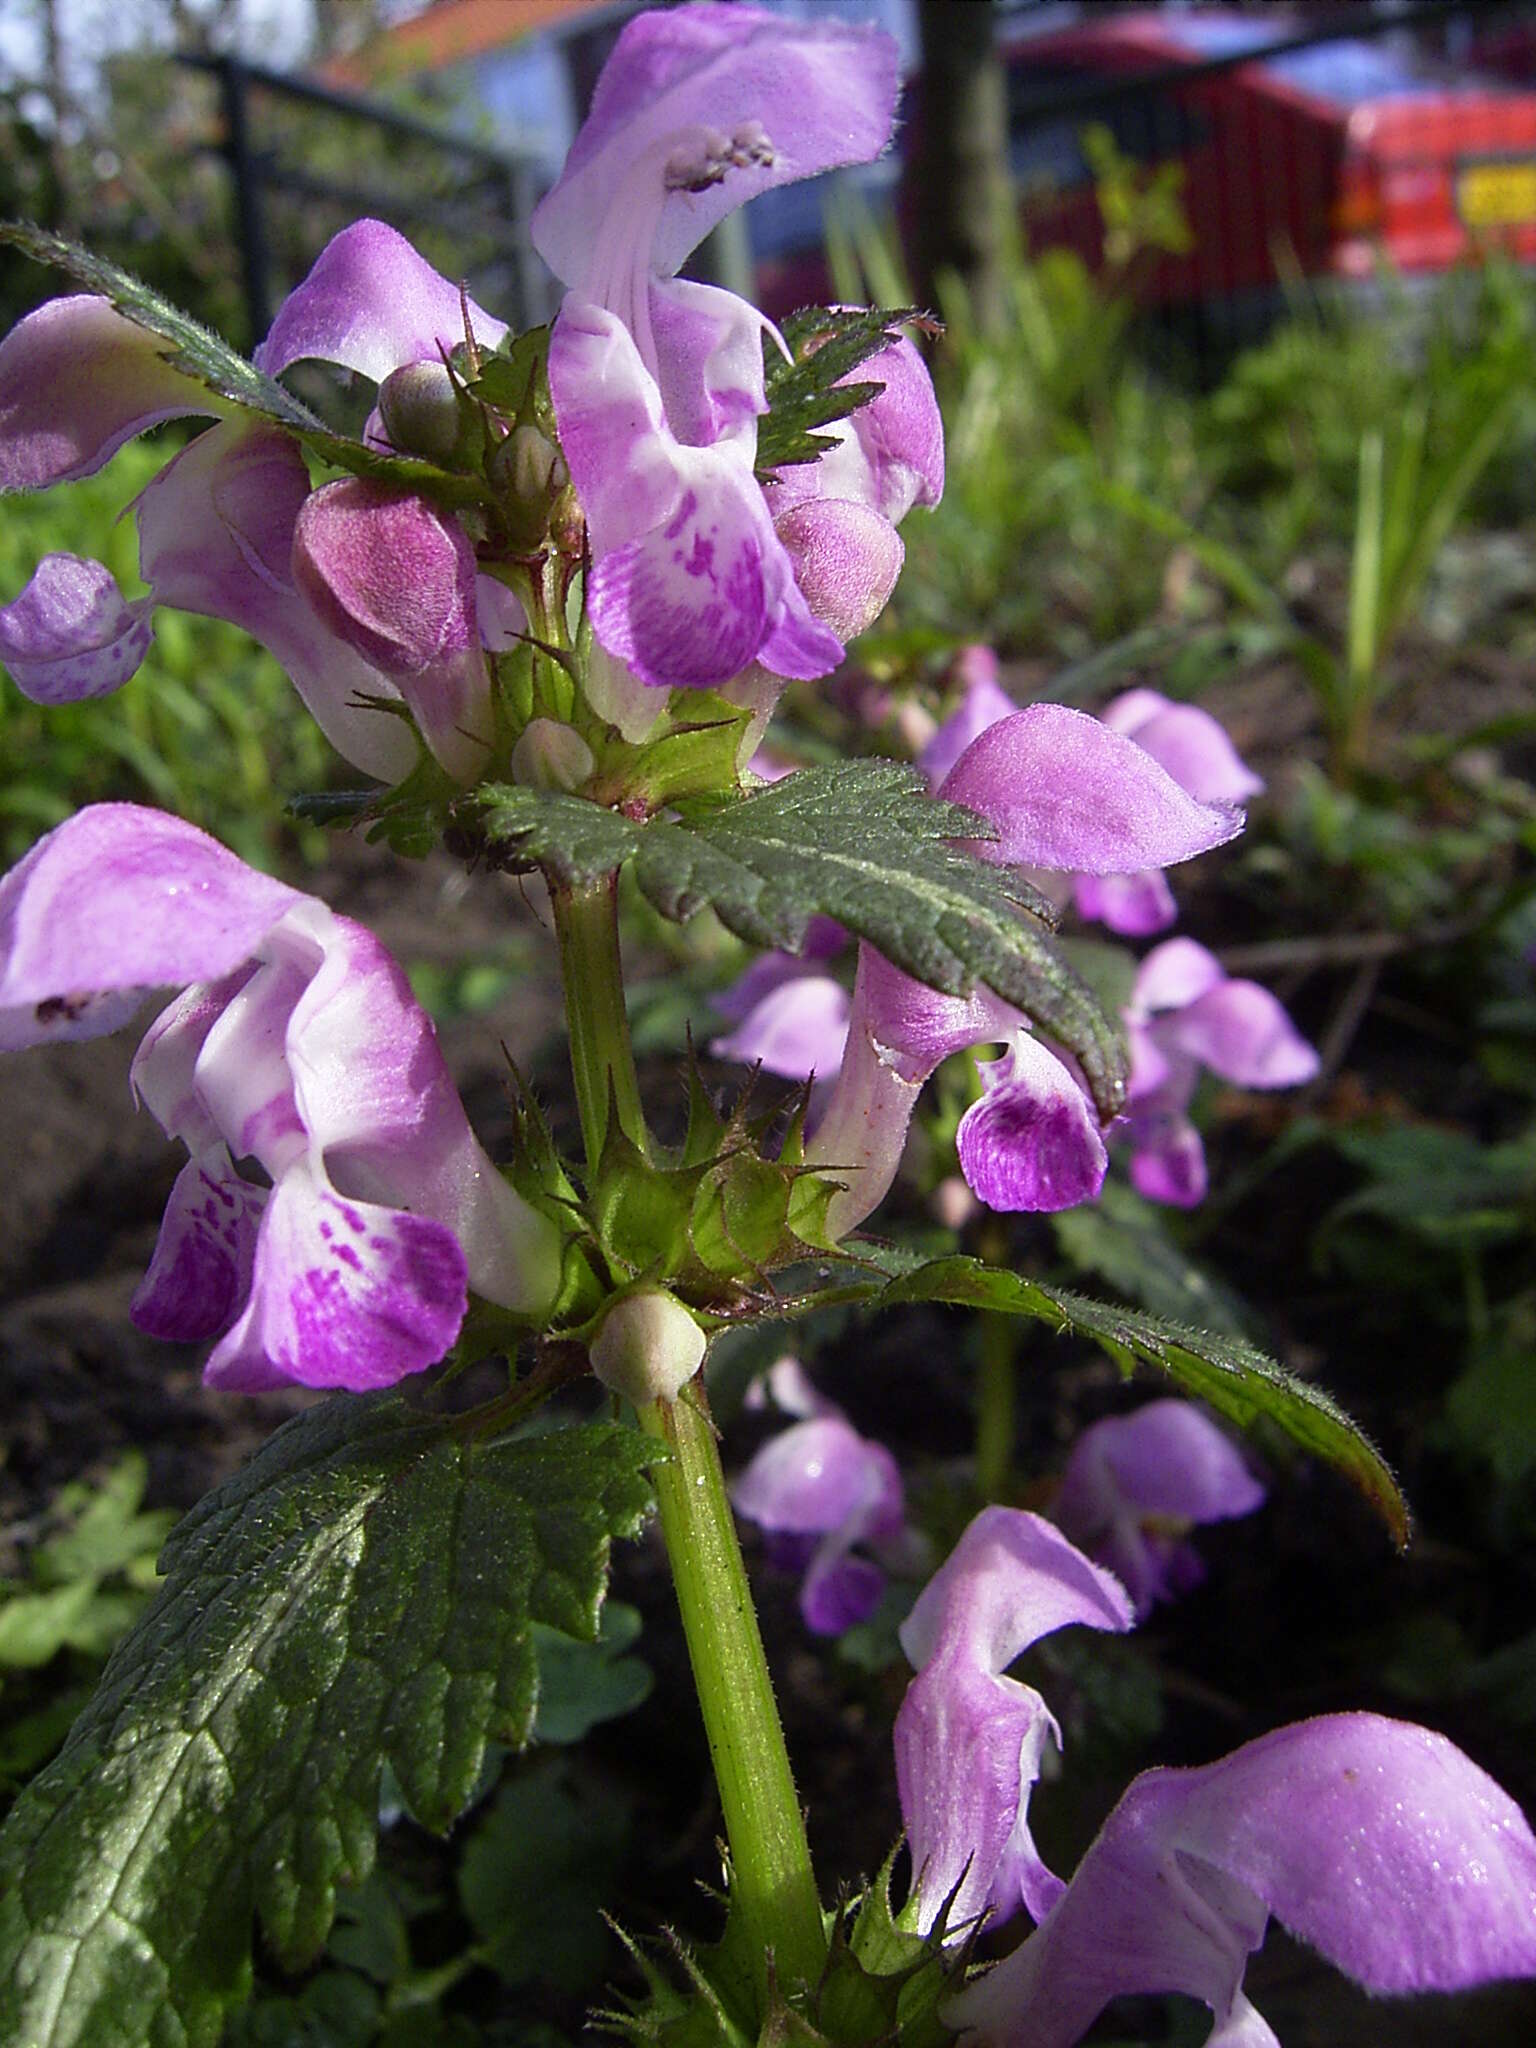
1267, 198
417, 174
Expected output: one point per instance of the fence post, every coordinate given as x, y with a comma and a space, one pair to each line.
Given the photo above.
250, 224
963, 182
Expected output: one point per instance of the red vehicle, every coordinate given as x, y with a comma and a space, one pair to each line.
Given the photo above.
1317, 161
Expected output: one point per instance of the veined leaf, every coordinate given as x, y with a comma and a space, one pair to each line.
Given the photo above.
1232, 1376
804, 395
364, 1592
201, 354
862, 842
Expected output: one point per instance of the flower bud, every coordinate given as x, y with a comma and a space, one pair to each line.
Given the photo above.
420, 410
648, 1347
551, 756
528, 466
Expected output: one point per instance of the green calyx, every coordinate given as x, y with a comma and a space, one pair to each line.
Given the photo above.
710, 1220
881, 1984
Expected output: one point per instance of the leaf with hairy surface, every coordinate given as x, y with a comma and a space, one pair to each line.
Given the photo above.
862, 842
804, 395
364, 1592
198, 352
1230, 1375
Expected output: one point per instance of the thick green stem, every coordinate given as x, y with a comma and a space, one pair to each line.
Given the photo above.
772, 1884
602, 1058
995, 1408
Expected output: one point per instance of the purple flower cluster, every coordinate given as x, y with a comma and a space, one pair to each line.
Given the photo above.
1096, 808
336, 1207
364, 593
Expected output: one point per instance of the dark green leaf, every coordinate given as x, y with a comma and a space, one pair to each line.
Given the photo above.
581, 1684
862, 842
203, 355
364, 1592
515, 381
804, 394
1231, 1376
537, 1871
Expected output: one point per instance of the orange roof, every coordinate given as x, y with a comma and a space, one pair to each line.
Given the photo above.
448, 32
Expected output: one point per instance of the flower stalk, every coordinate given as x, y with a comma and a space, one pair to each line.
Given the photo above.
772, 1885
602, 1057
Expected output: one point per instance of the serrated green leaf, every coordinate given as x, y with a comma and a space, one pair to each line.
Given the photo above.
514, 380
363, 1593
536, 1871
201, 354
804, 395
862, 842
1230, 1375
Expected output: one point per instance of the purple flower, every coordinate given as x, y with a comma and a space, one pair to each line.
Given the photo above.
838, 516
1182, 739
1062, 792
1134, 1483
395, 579
1185, 1013
1190, 744
299, 1047
790, 1017
820, 1491
1378, 1843
217, 527
968, 1739
984, 703
658, 383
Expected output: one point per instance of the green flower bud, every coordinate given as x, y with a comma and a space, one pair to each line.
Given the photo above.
551, 756
420, 410
648, 1347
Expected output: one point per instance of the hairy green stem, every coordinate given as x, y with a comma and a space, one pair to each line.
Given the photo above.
995, 1405
772, 1884
602, 1058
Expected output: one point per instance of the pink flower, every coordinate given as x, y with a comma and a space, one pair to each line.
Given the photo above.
657, 382
217, 527
1061, 792
1378, 1843
821, 1492
1186, 1013
297, 1046
1134, 1483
